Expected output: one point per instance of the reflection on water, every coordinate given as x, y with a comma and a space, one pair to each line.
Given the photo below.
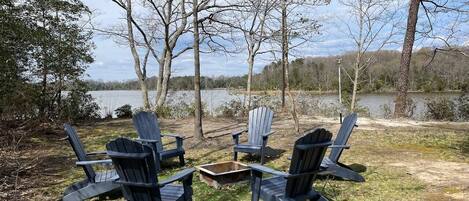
110, 100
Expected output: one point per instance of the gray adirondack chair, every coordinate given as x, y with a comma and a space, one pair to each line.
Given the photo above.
297, 184
135, 165
149, 133
259, 130
96, 183
331, 163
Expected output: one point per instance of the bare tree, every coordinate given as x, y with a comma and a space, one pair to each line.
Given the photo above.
373, 27
295, 28
211, 34
430, 8
285, 62
250, 19
127, 34
159, 22
198, 132
294, 21
171, 15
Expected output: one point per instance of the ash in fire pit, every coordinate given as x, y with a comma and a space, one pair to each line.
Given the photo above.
224, 173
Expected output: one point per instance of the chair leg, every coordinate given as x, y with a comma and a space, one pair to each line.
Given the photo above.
262, 155
187, 184
158, 162
181, 160
345, 173
235, 156
256, 180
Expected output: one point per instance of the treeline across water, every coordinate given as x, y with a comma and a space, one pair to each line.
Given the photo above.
176, 83
449, 71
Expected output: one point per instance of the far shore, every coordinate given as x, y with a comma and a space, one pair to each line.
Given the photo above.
277, 92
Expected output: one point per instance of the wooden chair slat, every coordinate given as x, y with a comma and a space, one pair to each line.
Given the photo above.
259, 124
147, 126
96, 183
304, 165
138, 175
331, 163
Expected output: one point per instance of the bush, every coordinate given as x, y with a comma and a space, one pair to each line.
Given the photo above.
463, 107
178, 110
387, 111
163, 111
232, 109
78, 105
441, 109
124, 111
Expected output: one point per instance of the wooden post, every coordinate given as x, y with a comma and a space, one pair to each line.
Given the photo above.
339, 61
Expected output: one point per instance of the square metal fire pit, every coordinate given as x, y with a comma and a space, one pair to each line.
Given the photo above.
224, 173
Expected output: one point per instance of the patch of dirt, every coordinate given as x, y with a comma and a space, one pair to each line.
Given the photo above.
451, 177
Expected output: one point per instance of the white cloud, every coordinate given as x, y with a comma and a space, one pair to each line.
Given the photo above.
114, 62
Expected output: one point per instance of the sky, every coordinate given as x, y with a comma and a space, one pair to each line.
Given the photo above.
114, 62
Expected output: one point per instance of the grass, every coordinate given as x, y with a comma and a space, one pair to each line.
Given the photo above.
373, 152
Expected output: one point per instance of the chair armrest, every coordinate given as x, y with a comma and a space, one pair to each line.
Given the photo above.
261, 168
179, 140
171, 135
180, 176
323, 172
237, 133
94, 153
83, 163
339, 146
146, 140
266, 135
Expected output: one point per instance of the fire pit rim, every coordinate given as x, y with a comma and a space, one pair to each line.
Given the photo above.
203, 169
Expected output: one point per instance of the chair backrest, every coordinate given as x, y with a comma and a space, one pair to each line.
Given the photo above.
260, 122
79, 150
148, 127
307, 155
135, 166
343, 135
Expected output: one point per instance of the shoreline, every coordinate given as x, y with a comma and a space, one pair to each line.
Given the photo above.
277, 92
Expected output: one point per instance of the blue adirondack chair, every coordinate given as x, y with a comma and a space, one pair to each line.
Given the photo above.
297, 184
149, 133
96, 183
259, 129
331, 163
135, 165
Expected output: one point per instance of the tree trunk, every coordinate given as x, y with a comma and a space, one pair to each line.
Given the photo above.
198, 133
354, 91
42, 107
166, 76
358, 58
159, 79
285, 67
355, 79
248, 89
144, 88
137, 64
284, 38
403, 80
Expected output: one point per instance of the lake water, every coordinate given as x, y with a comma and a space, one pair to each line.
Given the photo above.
110, 100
